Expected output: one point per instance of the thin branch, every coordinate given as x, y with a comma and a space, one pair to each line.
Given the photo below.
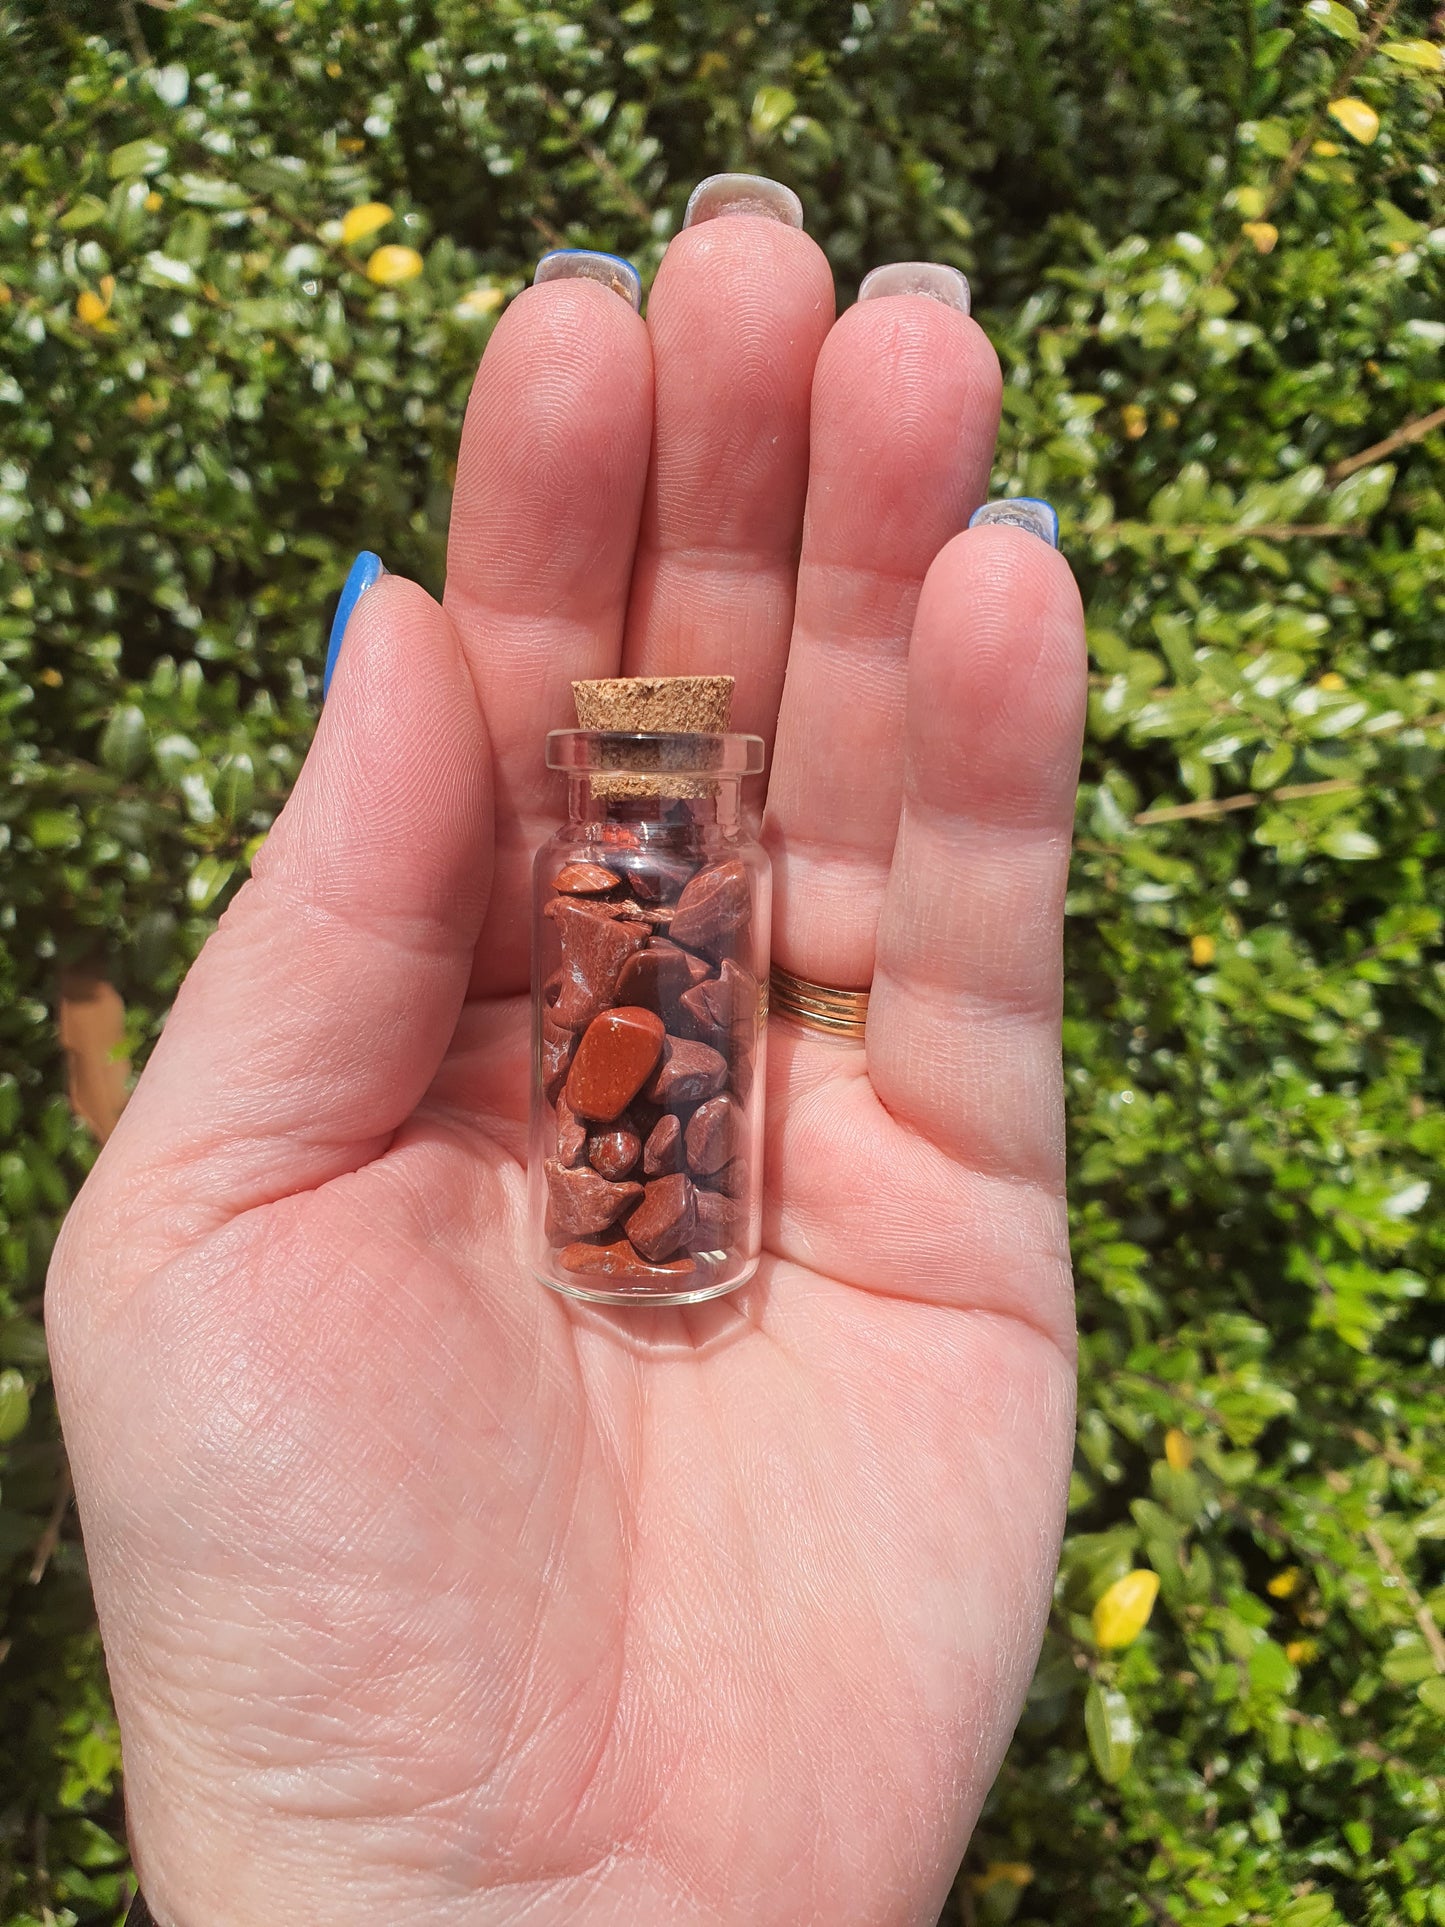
1367, 1749
1414, 431
1236, 531
599, 158
1424, 1619
1247, 800
140, 52
1295, 159
50, 1537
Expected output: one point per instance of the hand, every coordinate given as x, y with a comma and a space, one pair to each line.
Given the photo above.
429, 1596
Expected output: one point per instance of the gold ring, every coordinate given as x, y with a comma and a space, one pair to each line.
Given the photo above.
837, 1013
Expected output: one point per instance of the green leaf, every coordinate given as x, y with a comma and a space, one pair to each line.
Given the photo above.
1334, 17
235, 788
1310, 1910
1111, 1731
1431, 1693
1348, 844
137, 157
1362, 494
125, 740
14, 1406
207, 881
1422, 56
771, 107
84, 211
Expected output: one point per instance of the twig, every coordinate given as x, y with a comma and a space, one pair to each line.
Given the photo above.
50, 1537
1424, 1619
1295, 159
1366, 1749
140, 52
1235, 531
599, 158
1409, 432
1223, 805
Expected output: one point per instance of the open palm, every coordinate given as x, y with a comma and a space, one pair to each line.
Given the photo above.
431, 1596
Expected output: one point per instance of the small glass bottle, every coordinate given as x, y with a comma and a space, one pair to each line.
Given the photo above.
650, 942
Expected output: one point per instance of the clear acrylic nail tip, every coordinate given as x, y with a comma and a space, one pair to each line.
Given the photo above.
752, 194
1020, 512
934, 279
590, 264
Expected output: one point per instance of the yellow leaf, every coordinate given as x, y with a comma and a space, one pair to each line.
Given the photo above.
1357, 117
351, 144
1300, 1651
5, 295
52, 678
1201, 950
1135, 420
1263, 234
154, 200
1178, 1448
90, 308
480, 301
1250, 202
1285, 1584
333, 69
1331, 680
1123, 1611
1002, 1873
358, 222
392, 264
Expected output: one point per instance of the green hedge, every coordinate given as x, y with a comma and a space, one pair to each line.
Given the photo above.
1208, 294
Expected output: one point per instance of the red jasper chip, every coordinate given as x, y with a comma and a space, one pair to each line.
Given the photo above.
689, 1072
614, 1152
585, 880
594, 950
572, 1137
726, 1005
662, 1153
712, 907
713, 1133
665, 1220
656, 878
618, 1260
732, 1179
580, 1202
618, 1053
719, 1221
659, 975
557, 1048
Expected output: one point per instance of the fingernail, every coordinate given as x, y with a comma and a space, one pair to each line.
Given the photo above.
932, 278
366, 569
587, 264
743, 194
1020, 512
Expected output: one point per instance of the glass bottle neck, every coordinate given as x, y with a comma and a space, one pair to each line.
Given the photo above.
717, 810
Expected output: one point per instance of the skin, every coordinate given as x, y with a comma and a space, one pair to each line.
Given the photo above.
428, 1595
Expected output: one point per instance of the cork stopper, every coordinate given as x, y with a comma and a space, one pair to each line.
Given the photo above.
654, 705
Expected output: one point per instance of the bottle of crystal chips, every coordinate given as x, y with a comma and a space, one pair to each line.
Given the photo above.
649, 976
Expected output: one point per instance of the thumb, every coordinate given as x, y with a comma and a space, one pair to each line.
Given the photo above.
317, 1014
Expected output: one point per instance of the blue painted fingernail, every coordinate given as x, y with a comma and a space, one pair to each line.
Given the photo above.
1020, 512
366, 569
589, 264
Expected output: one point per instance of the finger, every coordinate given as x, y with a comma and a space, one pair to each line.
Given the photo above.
963, 1024
544, 523
740, 308
318, 1012
905, 411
